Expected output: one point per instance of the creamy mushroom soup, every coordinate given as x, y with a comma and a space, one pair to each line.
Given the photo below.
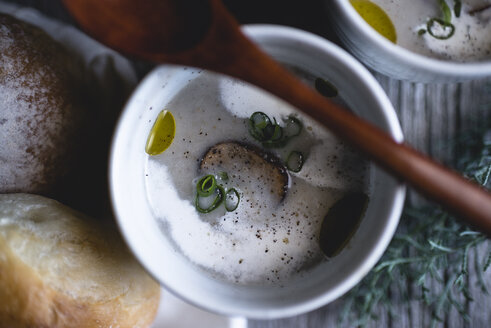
268, 231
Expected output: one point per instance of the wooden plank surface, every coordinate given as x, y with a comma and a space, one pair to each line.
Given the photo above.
431, 117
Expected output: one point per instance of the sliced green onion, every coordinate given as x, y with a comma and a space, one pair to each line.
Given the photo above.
277, 133
325, 88
206, 185
258, 122
232, 199
457, 7
271, 134
294, 162
223, 176
293, 126
446, 12
214, 203
434, 22
209, 194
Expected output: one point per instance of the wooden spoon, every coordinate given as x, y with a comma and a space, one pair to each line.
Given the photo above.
204, 34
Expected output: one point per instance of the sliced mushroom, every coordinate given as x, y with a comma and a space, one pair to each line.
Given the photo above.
255, 173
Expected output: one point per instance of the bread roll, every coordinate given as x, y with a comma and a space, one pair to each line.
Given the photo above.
60, 269
48, 119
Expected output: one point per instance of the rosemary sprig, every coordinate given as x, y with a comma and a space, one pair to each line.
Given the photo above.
430, 248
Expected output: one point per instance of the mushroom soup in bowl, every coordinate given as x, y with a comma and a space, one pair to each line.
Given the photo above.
422, 40
241, 204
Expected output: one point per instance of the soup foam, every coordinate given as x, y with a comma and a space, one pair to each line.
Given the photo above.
262, 241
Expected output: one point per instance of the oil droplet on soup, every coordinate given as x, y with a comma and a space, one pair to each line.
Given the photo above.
376, 17
162, 133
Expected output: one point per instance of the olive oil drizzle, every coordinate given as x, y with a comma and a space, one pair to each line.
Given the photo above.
162, 133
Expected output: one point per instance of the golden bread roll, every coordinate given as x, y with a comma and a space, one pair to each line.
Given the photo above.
61, 269
48, 119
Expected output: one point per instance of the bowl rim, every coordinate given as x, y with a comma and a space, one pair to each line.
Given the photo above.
432, 65
394, 210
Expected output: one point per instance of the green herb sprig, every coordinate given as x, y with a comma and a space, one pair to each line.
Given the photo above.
430, 247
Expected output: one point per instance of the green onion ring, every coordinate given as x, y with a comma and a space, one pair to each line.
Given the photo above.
258, 122
232, 193
293, 121
216, 202
270, 133
277, 133
206, 185
432, 21
447, 14
457, 8
295, 161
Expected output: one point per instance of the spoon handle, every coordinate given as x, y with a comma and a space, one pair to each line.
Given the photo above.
133, 27
466, 199
245, 61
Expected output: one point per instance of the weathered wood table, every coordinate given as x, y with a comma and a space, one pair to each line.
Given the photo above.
431, 117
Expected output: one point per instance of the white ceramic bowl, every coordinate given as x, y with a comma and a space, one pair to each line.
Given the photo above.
383, 56
327, 281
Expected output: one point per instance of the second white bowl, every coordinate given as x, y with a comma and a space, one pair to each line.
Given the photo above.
383, 56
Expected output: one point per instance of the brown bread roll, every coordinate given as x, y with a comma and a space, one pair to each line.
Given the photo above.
53, 142
61, 269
